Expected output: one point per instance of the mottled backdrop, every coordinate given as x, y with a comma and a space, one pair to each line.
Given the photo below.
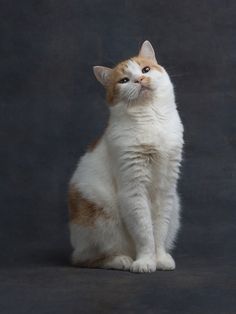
52, 107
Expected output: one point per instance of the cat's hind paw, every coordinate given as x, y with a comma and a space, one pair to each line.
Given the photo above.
143, 265
165, 262
122, 262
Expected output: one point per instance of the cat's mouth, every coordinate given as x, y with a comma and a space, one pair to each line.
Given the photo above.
144, 89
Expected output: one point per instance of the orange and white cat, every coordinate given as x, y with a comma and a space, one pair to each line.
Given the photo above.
124, 206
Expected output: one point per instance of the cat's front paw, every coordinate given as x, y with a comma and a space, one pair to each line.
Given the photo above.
143, 265
165, 262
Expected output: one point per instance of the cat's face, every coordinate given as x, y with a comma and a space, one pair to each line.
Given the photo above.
134, 80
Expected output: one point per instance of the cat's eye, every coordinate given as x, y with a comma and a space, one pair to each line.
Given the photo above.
124, 80
146, 69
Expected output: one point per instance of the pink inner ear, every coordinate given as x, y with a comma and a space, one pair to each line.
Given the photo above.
102, 74
147, 51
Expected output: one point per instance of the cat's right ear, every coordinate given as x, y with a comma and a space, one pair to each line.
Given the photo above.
102, 74
147, 51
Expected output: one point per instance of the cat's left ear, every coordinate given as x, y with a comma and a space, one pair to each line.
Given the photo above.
102, 74
147, 51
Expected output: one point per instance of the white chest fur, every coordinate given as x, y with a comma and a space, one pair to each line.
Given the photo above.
145, 144
145, 126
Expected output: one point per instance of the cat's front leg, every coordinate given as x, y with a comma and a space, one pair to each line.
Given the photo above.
137, 217
162, 223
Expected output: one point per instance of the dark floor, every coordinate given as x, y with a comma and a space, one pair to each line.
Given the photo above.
196, 286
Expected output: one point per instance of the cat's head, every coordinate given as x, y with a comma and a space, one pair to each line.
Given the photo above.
134, 80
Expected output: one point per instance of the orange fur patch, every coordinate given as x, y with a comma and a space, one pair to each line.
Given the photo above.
82, 211
116, 75
93, 144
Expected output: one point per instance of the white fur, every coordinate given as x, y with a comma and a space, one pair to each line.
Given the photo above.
132, 174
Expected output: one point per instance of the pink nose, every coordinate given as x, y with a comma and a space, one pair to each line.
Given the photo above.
139, 80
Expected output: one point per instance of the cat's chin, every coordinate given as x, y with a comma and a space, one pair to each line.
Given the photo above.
145, 94
142, 100
146, 91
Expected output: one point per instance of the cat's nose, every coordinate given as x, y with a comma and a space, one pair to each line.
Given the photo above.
139, 80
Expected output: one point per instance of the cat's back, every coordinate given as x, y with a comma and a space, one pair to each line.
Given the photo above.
92, 176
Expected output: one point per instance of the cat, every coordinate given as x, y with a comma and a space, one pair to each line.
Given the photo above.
123, 201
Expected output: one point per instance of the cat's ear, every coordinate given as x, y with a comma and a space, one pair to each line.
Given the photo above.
102, 74
147, 51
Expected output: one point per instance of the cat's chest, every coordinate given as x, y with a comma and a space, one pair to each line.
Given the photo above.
151, 137
150, 134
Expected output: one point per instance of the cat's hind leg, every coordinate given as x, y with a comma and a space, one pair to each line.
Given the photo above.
99, 247
84, 252
121, 262
98, 236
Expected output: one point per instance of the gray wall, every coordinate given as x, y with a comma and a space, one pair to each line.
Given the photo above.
52, 107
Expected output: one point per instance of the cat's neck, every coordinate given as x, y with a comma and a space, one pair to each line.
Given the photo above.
160, 105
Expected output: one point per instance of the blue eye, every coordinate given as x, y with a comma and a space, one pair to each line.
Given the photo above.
124, 80
146, 69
